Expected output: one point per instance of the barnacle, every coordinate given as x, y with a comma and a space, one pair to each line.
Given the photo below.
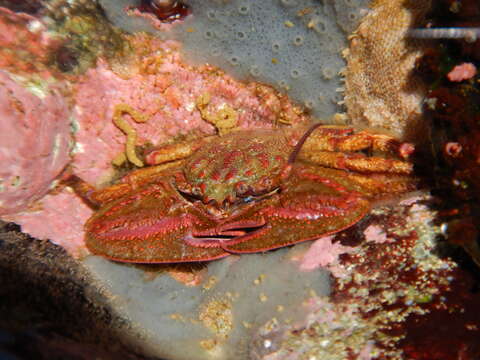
123, 125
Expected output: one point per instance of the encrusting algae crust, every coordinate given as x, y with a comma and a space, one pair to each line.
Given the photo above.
380, 89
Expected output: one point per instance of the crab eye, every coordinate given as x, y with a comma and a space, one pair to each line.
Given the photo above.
241, 188
196, 190
267, 182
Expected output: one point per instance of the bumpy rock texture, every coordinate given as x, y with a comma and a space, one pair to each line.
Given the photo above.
380, 89
294, 45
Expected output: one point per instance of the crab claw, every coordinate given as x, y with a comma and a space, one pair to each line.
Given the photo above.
149, 226
226, 234
310, 207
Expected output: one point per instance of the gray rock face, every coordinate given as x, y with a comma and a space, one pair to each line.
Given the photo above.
294, 45
215, 319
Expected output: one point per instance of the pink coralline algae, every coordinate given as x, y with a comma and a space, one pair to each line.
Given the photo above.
34, 142
376, 234
58, 217
166, 91
462, 72
322, 253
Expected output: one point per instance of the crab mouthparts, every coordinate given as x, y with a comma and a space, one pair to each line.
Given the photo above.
226, 234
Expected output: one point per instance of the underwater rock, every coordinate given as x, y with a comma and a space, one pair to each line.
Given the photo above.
213, 316
158, 84
25, 6
294, 45
34, 141
58, 217
25, 45
449, 67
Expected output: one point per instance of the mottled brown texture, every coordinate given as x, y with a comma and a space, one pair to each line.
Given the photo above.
380, 89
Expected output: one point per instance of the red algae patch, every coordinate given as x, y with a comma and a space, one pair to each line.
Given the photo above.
157, 84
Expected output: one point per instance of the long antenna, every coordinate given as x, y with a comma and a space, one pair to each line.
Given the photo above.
298, 147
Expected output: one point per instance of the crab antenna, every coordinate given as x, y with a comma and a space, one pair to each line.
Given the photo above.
470, 34
298, 147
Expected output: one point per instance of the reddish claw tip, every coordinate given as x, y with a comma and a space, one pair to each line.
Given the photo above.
406, 149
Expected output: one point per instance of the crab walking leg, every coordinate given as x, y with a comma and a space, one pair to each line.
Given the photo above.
357, 162
166, 158
150, 174
341, 139
373, 186
89, 194
134, 180
177, 151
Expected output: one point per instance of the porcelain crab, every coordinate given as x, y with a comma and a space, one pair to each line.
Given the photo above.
247, 191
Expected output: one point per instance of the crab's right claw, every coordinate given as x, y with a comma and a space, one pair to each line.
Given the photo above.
149, 225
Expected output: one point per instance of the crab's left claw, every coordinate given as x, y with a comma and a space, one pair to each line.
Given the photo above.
149, 226
310, 207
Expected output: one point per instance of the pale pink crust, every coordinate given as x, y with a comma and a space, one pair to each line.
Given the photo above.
376, 234
322, 253
462, 72
167, 94
34, 142
59, 218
